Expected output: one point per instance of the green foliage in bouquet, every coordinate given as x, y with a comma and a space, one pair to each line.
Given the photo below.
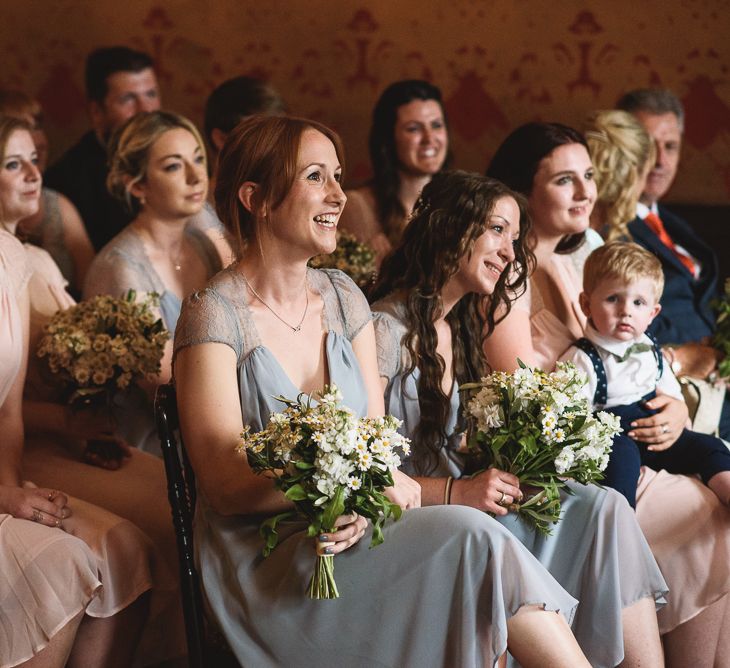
328, 463
539, 427
722, 332
103, 344
356, 259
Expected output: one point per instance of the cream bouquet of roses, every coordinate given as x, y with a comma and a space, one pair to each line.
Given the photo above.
328, 462
539, 426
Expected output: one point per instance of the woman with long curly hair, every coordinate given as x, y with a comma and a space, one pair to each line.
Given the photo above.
467, 241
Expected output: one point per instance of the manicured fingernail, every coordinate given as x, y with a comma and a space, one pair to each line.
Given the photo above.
633, 424
631, 434
323, 538
329, 550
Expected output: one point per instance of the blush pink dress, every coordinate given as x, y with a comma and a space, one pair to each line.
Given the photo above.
47, 576
136, 550
686, 526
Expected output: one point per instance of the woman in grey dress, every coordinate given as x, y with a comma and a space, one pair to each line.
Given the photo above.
448, 585
466, 240
158, 167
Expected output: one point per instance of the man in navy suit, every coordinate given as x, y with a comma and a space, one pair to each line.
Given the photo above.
686, 321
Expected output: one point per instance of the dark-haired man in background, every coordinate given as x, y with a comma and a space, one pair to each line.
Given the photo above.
120, 82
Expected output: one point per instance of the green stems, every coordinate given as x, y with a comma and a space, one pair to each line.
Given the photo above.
323, 585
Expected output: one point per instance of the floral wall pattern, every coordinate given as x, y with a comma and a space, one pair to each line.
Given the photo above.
499, 63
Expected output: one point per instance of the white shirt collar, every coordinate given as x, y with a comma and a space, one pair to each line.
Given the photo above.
642, 211
610, 345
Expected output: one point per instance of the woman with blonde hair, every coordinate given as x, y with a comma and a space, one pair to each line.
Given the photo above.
621, 152
158, 167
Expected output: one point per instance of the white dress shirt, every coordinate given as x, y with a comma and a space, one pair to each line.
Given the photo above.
629, 381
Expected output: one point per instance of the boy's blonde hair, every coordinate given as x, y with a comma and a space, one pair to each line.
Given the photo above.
625, 261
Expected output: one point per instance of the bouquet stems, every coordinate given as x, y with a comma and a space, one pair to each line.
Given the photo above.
323, 585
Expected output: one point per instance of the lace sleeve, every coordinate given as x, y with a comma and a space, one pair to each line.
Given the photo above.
388, 337
354, 310
580, 255
207, 317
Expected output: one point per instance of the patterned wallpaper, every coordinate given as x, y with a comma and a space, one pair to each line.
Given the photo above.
499, 63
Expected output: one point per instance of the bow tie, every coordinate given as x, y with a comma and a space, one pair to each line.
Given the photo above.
633, 348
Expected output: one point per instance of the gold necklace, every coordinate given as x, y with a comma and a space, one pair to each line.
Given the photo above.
177, 260
291, 327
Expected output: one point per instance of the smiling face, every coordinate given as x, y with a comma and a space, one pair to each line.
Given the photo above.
563, 192
421, 139
175, 184
493, 250
621, 310
667, 135
128, 93
20, 180
307, 218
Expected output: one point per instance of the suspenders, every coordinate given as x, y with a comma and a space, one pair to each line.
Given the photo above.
601, 395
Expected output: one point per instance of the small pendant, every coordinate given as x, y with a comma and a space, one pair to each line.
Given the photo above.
296, 329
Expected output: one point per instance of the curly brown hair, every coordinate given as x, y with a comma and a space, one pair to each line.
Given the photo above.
449, 216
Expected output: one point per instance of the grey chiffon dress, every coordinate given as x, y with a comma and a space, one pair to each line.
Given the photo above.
123, 265
597, 551
49, 233
437, 592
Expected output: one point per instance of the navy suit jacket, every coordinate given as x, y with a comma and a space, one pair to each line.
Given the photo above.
686, 313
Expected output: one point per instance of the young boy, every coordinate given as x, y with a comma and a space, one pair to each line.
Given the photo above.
622, 284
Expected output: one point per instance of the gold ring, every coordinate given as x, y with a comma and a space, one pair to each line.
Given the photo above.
501, 501
37, 516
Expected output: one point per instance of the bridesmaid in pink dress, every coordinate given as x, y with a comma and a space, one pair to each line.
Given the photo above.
29, 550
51, 578
687, 528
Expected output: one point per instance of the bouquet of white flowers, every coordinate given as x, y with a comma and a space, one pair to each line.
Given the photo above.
328, 463
539, 427
101, 345
356, 259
